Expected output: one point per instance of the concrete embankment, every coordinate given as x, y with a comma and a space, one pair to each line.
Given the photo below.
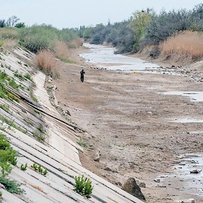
39, 135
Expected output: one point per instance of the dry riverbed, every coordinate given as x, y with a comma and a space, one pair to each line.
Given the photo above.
136, 127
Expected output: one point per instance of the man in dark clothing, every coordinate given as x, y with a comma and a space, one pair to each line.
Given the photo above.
82, 75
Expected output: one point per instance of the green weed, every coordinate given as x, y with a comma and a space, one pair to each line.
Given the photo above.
83, 186
23, 167
5, 107
38, 168
11, 185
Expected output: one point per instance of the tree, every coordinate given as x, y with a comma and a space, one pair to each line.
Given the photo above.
20, 25
139, 22
2, 23
12, 21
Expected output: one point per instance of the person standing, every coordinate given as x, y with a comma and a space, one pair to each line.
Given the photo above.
82, 75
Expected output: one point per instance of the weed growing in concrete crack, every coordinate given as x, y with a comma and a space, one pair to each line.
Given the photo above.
5, 107
38, 168
83, 186
11, 185
23, 167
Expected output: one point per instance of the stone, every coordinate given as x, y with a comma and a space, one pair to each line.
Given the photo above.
188, 201
97, 156
142, 185
2, 186
195, 171
133, 188
157, 180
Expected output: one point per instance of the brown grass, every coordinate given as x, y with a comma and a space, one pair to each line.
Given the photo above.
62, 51
185, 44
8, 33
46, 62
76, 43
9, 43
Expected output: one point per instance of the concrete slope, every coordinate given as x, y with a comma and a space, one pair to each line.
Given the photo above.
40, 139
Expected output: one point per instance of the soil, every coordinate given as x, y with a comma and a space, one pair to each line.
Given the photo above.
127, 118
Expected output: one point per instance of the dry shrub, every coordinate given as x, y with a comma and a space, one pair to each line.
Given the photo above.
185, 44
75, 43
62, 51
46, 62
8, 33
9, 43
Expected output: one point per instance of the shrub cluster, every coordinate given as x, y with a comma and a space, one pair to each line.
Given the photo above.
39, 37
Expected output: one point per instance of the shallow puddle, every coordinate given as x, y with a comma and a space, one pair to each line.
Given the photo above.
187, 120
187, 177
195, 96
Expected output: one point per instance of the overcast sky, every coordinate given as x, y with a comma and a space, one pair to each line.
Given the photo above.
73, 13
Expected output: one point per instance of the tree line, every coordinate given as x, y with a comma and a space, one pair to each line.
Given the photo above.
144, 28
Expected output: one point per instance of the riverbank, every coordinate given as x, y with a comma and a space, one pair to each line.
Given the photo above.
129, 120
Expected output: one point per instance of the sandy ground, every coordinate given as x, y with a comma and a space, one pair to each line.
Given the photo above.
128, 119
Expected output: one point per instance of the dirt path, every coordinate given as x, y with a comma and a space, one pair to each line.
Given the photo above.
128, 119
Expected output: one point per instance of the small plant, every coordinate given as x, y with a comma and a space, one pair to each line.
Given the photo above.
5, 168
38, 168
28, 76
13, 84
19, 76
45, 172
10, 185
5, 107
39, 135
83, 186
35, 166
23, 167
82, 143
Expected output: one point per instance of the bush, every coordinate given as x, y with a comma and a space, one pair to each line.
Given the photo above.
83, 186
10, 185
39, 37
7, 153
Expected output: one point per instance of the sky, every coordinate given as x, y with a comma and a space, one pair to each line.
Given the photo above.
75, 13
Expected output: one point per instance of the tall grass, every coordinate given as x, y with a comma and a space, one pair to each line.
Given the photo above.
8, 37
75, 43
9, 33
185, 44
62, 51
45, 61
